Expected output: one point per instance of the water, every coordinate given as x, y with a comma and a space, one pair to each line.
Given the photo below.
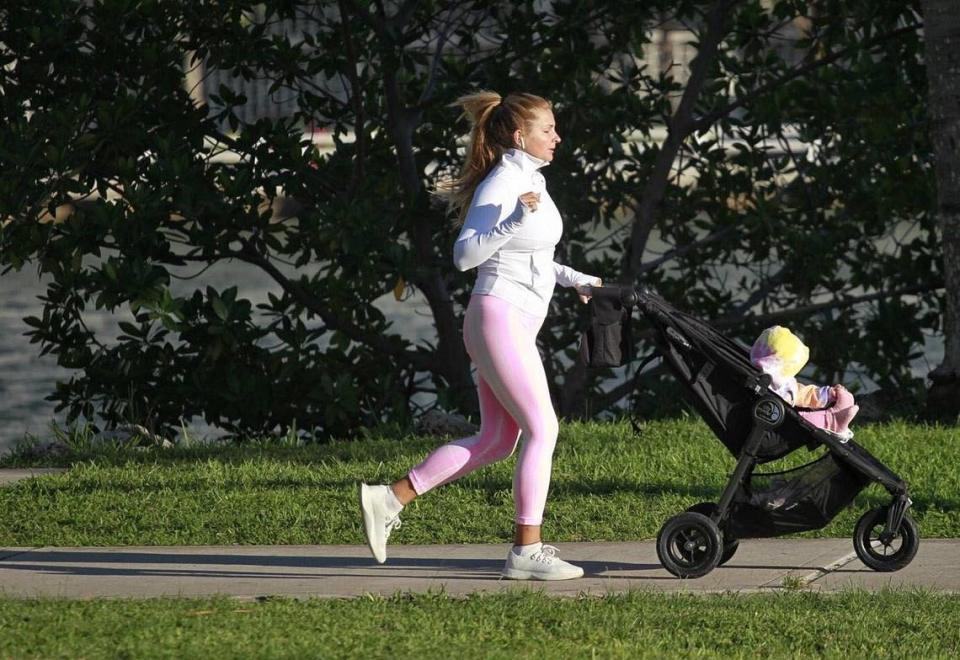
26, 379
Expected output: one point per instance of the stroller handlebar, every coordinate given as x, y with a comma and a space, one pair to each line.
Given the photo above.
627, 295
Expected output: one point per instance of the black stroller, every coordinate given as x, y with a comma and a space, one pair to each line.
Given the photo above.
733, 398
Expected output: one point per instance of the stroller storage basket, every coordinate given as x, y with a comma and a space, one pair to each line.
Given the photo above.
796, 500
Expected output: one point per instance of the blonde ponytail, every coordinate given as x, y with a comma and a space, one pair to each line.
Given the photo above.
493, 121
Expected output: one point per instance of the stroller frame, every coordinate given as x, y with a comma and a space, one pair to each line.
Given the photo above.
757, 427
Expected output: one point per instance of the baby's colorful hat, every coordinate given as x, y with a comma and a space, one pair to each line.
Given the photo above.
779, 352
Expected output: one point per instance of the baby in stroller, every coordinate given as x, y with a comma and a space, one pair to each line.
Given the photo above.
781, 354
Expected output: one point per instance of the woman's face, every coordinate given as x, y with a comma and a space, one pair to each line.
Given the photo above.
540, 135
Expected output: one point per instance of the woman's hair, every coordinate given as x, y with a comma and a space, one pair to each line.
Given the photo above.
493, 121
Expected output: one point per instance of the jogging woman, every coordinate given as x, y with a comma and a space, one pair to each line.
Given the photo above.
510, 228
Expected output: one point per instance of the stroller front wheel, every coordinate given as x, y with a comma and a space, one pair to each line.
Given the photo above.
879, 552
689, 545
730, 544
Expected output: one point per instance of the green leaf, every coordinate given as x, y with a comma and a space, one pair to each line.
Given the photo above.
220, 308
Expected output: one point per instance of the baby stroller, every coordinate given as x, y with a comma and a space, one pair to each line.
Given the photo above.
757, 427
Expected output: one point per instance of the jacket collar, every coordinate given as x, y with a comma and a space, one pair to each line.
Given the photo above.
523, 160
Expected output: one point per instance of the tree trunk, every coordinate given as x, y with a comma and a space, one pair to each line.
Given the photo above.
452, 361
942, 43
572, 401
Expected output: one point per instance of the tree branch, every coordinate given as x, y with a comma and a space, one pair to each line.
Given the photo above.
375, 22
571, 397
404, 14
416, 360
841, 303
445, 31
611, 397
706, 121
356, 97
769, 285
678, 128
678, 252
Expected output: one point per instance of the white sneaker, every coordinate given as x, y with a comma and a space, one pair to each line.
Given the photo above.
378, 520
542, 564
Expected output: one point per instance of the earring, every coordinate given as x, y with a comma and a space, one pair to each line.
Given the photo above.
522, 145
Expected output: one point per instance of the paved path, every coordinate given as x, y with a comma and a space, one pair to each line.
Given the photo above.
345, 571
10, 475
761, 565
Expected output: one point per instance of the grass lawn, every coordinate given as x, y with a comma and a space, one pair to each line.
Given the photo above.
520, 624
608, 484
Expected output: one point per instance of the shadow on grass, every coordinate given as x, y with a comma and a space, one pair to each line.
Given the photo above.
496, 486
612, 487
491, 487
245, 485
407, 449
920, 504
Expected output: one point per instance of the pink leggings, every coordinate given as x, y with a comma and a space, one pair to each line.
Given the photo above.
501, 340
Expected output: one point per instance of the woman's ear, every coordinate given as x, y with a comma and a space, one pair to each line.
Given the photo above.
518, 138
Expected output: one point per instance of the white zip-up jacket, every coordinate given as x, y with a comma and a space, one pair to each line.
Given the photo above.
511, 246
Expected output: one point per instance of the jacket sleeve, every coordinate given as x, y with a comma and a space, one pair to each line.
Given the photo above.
484, 232
567, 276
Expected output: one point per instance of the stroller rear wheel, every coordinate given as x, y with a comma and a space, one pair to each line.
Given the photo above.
730, 544
882, 553
689, 545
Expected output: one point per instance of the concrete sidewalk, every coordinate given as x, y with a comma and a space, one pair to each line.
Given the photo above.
346, 571
12, 475
339, 571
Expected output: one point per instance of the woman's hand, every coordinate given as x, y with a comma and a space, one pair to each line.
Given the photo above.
531, 200
585, 290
